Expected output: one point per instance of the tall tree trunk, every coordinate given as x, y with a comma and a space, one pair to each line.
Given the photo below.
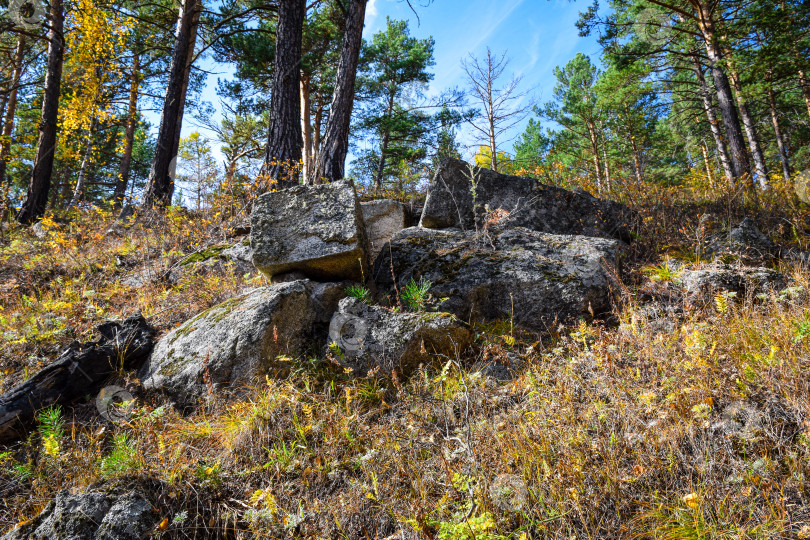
129, 133
10, 110
493, 147
283, 155
707, 163
78, 192
740, 165
306, 127
608, 182
332, 157
386, 138
186, 78
161, 176
316, 136
595, 148
750, 127
636, 159
36, 200
805, 87
708, 107
780, 140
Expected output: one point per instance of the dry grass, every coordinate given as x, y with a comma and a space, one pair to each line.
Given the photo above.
696, 426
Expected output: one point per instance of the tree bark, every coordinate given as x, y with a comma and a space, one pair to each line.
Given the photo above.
283, 155
78, 192
316, 137
608, 182
805, 89
161, 176
707, 163
636, 159
708, 107
80, 370
740, 165
386, 139
750, 129
36, 200
332, 157
780, 140
306, 127
129, 134
186, 78
10, 111
597, 165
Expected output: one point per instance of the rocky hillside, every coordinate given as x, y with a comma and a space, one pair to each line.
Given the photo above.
512, 360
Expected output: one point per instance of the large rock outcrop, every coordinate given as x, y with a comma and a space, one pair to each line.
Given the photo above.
383, 218
93, 515
516, 201
532, 277
373, 336
315, 230
238, 341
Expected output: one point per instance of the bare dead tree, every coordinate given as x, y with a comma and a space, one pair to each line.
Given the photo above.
502, 107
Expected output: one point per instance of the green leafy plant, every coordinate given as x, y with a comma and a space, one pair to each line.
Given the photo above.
50, 430
122, 458
480, 527
360, 292
662, 272
415, 293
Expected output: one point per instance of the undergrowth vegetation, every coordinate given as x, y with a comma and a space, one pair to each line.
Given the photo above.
688, 426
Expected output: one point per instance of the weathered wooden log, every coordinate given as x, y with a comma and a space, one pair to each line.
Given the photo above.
80, 370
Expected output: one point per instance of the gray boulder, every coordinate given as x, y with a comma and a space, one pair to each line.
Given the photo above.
316, 230
93, 515
373, 336
745, 241
235, 343
519, 202
532, 277
383, 218
701, 284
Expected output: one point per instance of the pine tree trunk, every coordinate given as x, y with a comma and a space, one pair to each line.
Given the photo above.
750, 129
36, 199
306, 127
316, 137
805, 88
386, 138
10, 111
780, 140
78, 192
707, 163
597, 165
332, 157
608, 182
493, 148
636, 160
129, 133
283, 154
740, 165
708, 107
161, 176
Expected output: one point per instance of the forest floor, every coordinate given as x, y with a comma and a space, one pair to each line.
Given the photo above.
695, 428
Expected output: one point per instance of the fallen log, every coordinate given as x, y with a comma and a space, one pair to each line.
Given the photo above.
79, 371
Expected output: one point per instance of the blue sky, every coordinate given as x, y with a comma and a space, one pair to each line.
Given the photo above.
537, 35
